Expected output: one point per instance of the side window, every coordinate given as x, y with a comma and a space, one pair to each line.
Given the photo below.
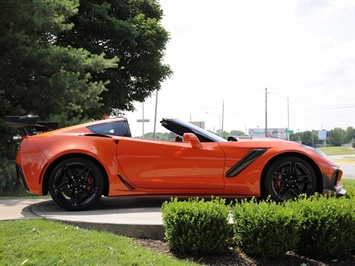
121, 129
117, 129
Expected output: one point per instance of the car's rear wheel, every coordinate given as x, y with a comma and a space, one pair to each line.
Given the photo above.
288, 178
76, 184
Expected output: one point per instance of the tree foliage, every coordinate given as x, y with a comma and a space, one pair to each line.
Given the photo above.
131, 31
237, 133
309, 138
336, 136
59, 59
37, 75
349, 135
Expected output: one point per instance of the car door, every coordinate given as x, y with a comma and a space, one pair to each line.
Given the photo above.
189, 164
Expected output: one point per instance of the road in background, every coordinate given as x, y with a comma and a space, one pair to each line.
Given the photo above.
348, 170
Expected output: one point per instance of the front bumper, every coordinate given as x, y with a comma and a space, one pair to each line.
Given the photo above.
339, 189
333, 185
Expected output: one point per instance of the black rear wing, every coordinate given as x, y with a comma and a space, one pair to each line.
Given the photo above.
30, 124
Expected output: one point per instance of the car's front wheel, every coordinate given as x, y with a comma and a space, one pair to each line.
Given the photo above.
288, 178
76, 184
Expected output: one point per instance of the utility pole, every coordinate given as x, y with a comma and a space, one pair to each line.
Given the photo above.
143, 120
222, 118
288, 117
265, 112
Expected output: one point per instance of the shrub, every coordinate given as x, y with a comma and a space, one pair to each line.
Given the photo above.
349, 186
328, 226
196, 226
8, 178
266, 229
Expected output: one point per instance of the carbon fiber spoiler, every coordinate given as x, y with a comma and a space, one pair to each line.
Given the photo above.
30, 124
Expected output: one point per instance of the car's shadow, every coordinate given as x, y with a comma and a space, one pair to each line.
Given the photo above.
128, 203
103, 206
138, 208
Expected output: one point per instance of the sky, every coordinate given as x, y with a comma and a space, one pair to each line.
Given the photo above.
226, 54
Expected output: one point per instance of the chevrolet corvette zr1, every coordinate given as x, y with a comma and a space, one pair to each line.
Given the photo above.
79, 164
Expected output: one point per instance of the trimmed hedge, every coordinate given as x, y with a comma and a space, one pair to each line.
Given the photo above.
328, 226
265, 228
196, 226
319, 225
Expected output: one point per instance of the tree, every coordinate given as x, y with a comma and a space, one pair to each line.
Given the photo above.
236, 133
296, 137
316, 140
38, 76
130, 30
307, 138
349, 135
168, 136
336, 137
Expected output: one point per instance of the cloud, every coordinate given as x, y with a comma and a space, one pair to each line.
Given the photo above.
329, 9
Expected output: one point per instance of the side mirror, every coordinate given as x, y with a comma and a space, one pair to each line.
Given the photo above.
232, 138
190, 137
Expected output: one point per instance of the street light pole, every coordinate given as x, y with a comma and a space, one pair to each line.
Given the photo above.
156, 112
288, 112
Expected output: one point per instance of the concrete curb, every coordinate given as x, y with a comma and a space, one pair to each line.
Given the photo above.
138, 218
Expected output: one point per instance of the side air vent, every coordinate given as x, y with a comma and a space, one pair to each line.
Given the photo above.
125, 183
245, 162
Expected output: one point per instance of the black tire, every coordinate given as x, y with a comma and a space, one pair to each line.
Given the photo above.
76, 184
288, 178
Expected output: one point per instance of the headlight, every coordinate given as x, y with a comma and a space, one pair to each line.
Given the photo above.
316, 151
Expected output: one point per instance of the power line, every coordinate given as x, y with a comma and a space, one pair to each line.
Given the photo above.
325, 107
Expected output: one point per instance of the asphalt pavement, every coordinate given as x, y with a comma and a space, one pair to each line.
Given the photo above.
347, 168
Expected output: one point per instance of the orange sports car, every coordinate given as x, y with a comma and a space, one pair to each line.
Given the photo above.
79, 164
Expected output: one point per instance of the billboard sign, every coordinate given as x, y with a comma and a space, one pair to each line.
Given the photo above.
322, 134
277, 133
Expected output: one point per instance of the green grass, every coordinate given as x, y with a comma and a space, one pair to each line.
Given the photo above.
43, 242
348, 182
337, 150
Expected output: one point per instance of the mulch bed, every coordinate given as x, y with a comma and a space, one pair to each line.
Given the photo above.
236, 257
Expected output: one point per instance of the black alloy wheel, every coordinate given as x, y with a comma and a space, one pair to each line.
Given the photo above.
76, 184
288, 178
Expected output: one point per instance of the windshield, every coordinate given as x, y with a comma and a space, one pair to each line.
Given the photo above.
180, 127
